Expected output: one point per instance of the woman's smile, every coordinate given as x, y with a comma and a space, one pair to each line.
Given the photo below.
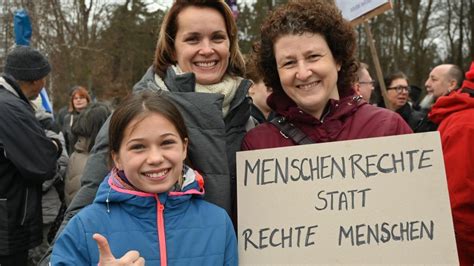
308, 86
206, 64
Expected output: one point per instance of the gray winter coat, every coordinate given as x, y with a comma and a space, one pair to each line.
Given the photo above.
77, 162
51, 200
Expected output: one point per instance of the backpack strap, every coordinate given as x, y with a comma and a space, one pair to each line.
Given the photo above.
288, 130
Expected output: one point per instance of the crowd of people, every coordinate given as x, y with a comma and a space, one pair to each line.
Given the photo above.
162, 165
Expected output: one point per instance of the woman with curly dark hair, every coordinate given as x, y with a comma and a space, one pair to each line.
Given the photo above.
306, 54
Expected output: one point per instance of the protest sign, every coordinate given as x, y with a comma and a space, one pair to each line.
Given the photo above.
358, 10
379, 200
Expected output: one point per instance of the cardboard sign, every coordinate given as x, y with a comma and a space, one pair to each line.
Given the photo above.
358, 10
378, 201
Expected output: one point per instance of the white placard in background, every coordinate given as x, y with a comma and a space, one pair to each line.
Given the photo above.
352, 9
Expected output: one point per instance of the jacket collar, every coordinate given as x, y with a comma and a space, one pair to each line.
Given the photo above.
10, 85
446, 105
335, 109
183, 82
112, 191
82, 144
405, 111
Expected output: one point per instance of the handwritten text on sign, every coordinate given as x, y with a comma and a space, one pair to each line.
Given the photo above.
363, 201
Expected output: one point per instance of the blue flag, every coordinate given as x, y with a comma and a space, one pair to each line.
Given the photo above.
22, 25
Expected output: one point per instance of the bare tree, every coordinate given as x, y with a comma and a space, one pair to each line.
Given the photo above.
107, 45
405, 39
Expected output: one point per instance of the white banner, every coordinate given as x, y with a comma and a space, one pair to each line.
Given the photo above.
352, 9
378, 201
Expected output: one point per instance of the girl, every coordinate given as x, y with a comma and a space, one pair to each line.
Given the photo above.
150, 201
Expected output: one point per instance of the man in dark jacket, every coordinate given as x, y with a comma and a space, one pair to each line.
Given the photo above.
27, 156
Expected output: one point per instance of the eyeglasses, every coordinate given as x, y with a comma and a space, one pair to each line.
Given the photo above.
400, 88
372, 82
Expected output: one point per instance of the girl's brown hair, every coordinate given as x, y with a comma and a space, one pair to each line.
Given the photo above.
138, 106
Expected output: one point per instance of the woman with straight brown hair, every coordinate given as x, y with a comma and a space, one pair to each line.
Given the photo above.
198, 62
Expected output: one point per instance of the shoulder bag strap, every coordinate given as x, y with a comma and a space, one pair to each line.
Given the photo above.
288, 130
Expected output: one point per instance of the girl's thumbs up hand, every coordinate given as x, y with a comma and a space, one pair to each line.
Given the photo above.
106, 258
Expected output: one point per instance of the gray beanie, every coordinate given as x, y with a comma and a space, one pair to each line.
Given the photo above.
26, 64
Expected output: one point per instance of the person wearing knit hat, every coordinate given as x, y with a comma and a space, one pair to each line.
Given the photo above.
27, 155
29, 68
454, 113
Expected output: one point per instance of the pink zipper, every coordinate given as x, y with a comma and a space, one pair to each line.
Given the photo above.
161, 232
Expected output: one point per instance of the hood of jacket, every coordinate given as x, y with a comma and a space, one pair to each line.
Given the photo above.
449, 104
82, 145
9, 84
176, 83
111, 192
147, 82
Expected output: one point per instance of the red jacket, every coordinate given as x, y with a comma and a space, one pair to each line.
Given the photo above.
348, 118
455, 115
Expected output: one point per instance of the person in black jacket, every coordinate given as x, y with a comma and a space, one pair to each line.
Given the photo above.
397, 96
27, 156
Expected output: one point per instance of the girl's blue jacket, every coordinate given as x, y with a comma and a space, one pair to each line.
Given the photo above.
173, 228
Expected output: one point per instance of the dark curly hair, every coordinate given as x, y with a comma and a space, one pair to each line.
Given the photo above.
309, 16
